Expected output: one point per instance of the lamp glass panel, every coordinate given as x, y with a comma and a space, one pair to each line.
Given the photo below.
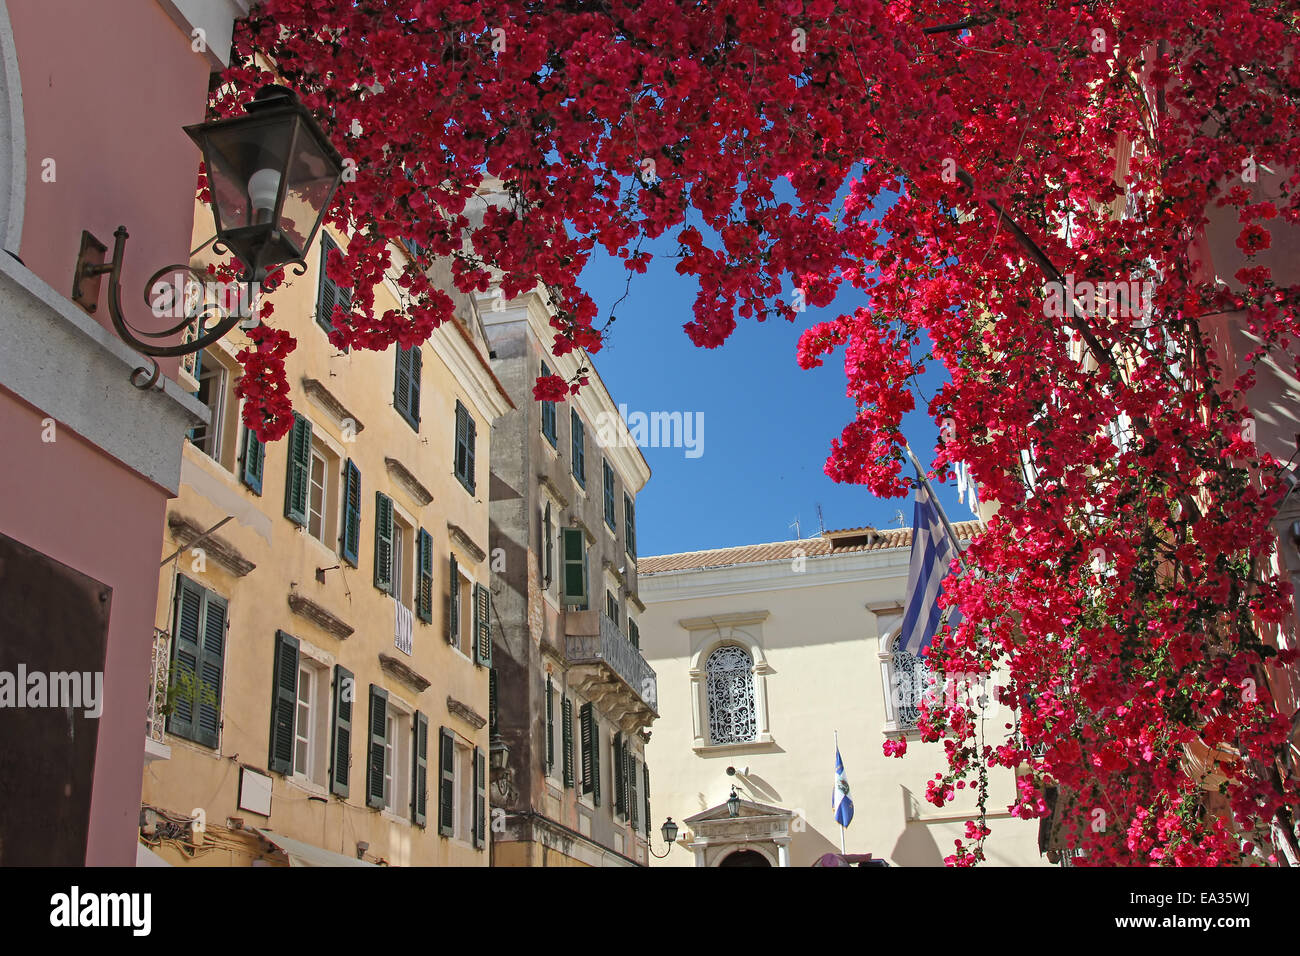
312, 177
233, 154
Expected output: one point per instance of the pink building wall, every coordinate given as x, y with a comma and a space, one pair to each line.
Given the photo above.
105, 90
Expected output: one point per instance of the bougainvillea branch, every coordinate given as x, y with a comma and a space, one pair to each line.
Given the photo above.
947, 160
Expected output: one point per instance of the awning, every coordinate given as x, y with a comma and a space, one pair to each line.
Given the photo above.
304, 854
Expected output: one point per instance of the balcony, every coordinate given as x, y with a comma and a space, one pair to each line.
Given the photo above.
609, 671
155, 714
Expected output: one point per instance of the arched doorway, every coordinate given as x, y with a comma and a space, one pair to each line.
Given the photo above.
745, 858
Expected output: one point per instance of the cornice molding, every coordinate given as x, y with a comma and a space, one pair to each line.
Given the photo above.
304, 606
186, 529
329, 403
462, 538
395, 668
560, 498
466, 713
409, 483
735, 619
856, 567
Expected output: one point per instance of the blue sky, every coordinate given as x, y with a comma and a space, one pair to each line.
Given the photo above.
767, 423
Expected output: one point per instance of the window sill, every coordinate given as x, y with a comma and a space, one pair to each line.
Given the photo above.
894, 732
308, 786
394, 817
763, 743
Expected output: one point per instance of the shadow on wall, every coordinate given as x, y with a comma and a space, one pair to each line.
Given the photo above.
809, 845
916, 847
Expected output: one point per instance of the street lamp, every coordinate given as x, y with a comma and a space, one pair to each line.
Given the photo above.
733, 803
669, 831
272, 174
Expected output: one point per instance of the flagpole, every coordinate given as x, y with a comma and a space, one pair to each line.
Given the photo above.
837, 754
943, 516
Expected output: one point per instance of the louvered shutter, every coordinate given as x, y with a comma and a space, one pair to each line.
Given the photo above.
619, 776
608, 474
578, 443
446, 780
548, 547
417, 370
645, 795
252, 458
492, 702
297, 479
466, 432
351, 534
550, 725
575, 566
327, 293
629, 525
482, 630
453, 603
341, 738
595, 759
631, 791
185, 654
480, 799
424, 595
420, 772
383, 542
633, 633
566, 739
402, 384
207, 709
284, 702
471, 439
377, 747
584, 730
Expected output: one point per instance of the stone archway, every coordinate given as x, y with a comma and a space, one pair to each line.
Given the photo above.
745, 858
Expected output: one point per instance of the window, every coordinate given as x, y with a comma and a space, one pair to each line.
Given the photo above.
465, 434
633, 633
610, 518
618, 774
464, 793
404, 562
300, 706
548, 548
424, 577
550, 727
198, 658
579, 448
730, 674
590, 738
629, 525
482, 626
252, 459
329, 293
397, 755
462, 790
548, 415
463, 625
215, 375
566, 739
322, 495
909, 684
406, 389
611, 606
575, 567
297, 479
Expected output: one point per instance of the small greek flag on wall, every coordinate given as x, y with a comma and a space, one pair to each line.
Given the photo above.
841, 803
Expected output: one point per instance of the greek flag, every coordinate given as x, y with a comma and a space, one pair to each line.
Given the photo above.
932, 552
841, 802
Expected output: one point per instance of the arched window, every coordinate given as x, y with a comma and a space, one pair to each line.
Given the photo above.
911, 678
730, 676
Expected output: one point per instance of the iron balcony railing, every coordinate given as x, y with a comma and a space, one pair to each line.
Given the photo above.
613, 648
155, 718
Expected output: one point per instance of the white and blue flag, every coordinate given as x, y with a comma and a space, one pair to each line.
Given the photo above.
932, 553
841, 803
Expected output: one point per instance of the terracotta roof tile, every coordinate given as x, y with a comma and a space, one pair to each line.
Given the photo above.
830, 542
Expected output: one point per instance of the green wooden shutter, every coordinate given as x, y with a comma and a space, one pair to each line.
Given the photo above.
548, 414
480, 799
629, 525
453, 603
351, 535
327, 293
284, 703
550, 725
595, 759
420, 773
185, 655
610, 518
631, 791
406, 387
471, 439
207, 710
298, 478
578, 448
466, 433
252, 457
492, 702
417, 370
633, 633
566, 738
341, 738
482, 630
548, 547
424, 593
584, 739
619, 776
446, 780
645, 795
377, 749
383, 542
575, 566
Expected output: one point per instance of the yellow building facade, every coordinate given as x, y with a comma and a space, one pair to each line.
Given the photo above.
322, 646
